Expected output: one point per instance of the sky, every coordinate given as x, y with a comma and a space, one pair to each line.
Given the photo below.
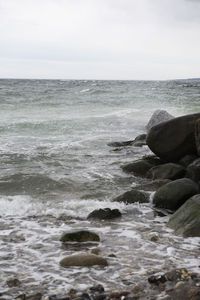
100, 39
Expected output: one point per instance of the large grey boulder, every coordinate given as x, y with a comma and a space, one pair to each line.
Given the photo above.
83, 260
158, 117
132, 196
173, 139
174, 194
79, 236
186, 220
166, 171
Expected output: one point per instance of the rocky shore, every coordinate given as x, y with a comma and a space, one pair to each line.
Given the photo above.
174, 173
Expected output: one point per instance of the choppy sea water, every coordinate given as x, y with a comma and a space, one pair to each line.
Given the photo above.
56, 168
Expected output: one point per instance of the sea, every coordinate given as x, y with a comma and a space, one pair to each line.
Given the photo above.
56, 167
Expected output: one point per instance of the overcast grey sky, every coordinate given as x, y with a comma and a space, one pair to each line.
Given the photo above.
100, 39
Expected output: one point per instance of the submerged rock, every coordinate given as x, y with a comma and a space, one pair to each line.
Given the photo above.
166, 171
104, 214
152, 186
132, 196
79, 236
141, 166
173, 139
158, 117
197, 135
186, 220
173, 194
83, 260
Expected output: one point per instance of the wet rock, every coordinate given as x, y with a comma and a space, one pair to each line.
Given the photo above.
55, 297
158, 117
193, 170
132, 196
186, 220
173, 139
166, 171
21, 297
97, 288
187, 160
152, 186
83, 260
157, 279
13, 282
104, 214
79, 236
141, 166
140, 140
185, 291
173, 194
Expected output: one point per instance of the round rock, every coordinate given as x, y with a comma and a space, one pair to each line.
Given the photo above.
83, 260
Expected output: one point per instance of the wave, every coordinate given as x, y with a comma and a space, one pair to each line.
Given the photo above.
22, 184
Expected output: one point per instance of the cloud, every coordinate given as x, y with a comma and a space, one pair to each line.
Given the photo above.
113, 33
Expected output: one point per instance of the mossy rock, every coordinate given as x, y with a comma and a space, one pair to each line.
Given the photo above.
104, 214
83, 260
79, 236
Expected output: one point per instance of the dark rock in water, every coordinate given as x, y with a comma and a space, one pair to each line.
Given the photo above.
120, 144
132, 196
152, 186
158, 279
193, 170
166, 171
83, 260
187, 160
97, 288
79, 236
141, 166
13, 282
55, 297
158, 117
173, 194
37, 296
104, 214
173, 139
139, 141
186, 220
197, 136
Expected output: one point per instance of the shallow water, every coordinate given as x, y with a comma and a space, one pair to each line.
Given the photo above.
56, 168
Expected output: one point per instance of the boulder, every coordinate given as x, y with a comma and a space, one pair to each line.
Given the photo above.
197, 135
158, 117
173, 194
83, 260
193, 170
141, 166
186, 220
79, 236
173, 139
132, 196
104, 214
166, 171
